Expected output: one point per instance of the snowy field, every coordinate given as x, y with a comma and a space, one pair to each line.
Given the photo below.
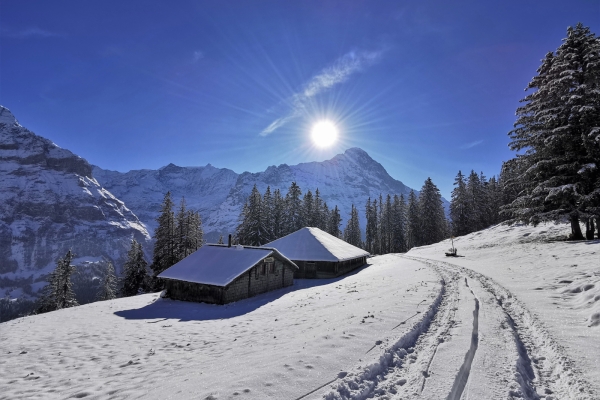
279, 345
518, 316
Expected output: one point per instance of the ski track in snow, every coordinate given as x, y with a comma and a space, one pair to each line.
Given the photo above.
506, 353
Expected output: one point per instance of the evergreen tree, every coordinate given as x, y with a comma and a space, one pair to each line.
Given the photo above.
413, 236
308, 209
108, 287
278, 215
134, 270
243, 229
460, 207
164, 238
431, 210
293, 210
371, 228
256, 234
181, 232
268, 207
399, 225
319, 216
59, 293
221, 240
352, 232
557, 127
325, 218
335, 222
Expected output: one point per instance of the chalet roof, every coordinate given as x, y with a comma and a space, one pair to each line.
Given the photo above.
219, 265
312, 244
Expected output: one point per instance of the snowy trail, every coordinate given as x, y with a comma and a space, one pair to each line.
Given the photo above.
475, 341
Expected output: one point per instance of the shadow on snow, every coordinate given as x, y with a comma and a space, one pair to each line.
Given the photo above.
191, 311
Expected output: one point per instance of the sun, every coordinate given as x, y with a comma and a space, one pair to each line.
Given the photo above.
324, 133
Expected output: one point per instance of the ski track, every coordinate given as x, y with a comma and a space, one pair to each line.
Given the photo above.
509, 352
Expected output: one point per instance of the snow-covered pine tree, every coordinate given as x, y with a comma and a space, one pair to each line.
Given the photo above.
242, 230
387, 226
460, 207
257, 233
278, 215
558, 127
433, 220
134, 270
195, 234
413, 231
181, 232
352, 232
308, 209
376, 232
108, 287
371, 228
293, 209
476, 202
268, 207
325, 218
164, 238
318, 213
335, 222
59, 293
399, 225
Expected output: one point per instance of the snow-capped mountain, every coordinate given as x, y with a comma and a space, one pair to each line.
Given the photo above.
50, 202
219, 194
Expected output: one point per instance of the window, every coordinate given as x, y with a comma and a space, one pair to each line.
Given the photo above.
263, 269
256, 273
271, 267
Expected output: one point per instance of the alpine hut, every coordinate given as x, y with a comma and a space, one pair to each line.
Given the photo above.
319, 254
221, 274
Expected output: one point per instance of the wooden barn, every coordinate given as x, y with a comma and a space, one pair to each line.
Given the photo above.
220, 274
319, 254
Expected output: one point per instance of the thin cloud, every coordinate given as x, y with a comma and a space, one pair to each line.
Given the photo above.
198, 55
338, 72
472, 144
32, 32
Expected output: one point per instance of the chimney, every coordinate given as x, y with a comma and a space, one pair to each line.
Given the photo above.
229, 243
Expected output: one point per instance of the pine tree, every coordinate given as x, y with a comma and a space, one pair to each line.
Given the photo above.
399, 225
352, 232
221, 240
268, 207
58, 294
460, 207
318, 217
181, 232
325, 218
431, 210
278, 215
335, 222
293, 209
256, 234
413, 237
134, 270
371, 228
558, 129
164, 236
308, 209
108, 287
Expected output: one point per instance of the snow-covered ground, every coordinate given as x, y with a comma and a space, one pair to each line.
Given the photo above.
515, 317
279, 345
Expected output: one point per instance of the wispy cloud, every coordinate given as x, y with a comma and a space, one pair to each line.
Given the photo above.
31, 32
197, 56
472, 144
338, 72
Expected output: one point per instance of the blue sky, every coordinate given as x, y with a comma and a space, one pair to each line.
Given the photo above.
425, 87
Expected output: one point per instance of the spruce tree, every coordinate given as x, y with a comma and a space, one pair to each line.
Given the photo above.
352, 232
293, 209
278, 214
371, 228
256, 234
308, 209
413, 236
134, 270
460, 207
59, 293
164, 238
399, 225
108, 287
181, 232
431, 210
335, 222
557, 128
268, 207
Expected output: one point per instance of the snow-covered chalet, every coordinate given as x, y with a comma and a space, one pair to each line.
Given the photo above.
222, 274
319, 254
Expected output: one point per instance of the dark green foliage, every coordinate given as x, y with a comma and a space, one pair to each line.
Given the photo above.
352, 232
16, 308
433, 226
165, 249
134, 271
58, 293
558, 129
108, 285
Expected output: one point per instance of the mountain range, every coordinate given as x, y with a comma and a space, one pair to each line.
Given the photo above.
53, 200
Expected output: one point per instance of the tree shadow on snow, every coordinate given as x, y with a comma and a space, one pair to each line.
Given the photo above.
163, 309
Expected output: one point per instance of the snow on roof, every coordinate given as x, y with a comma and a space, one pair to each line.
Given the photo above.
217, 265
312, 244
